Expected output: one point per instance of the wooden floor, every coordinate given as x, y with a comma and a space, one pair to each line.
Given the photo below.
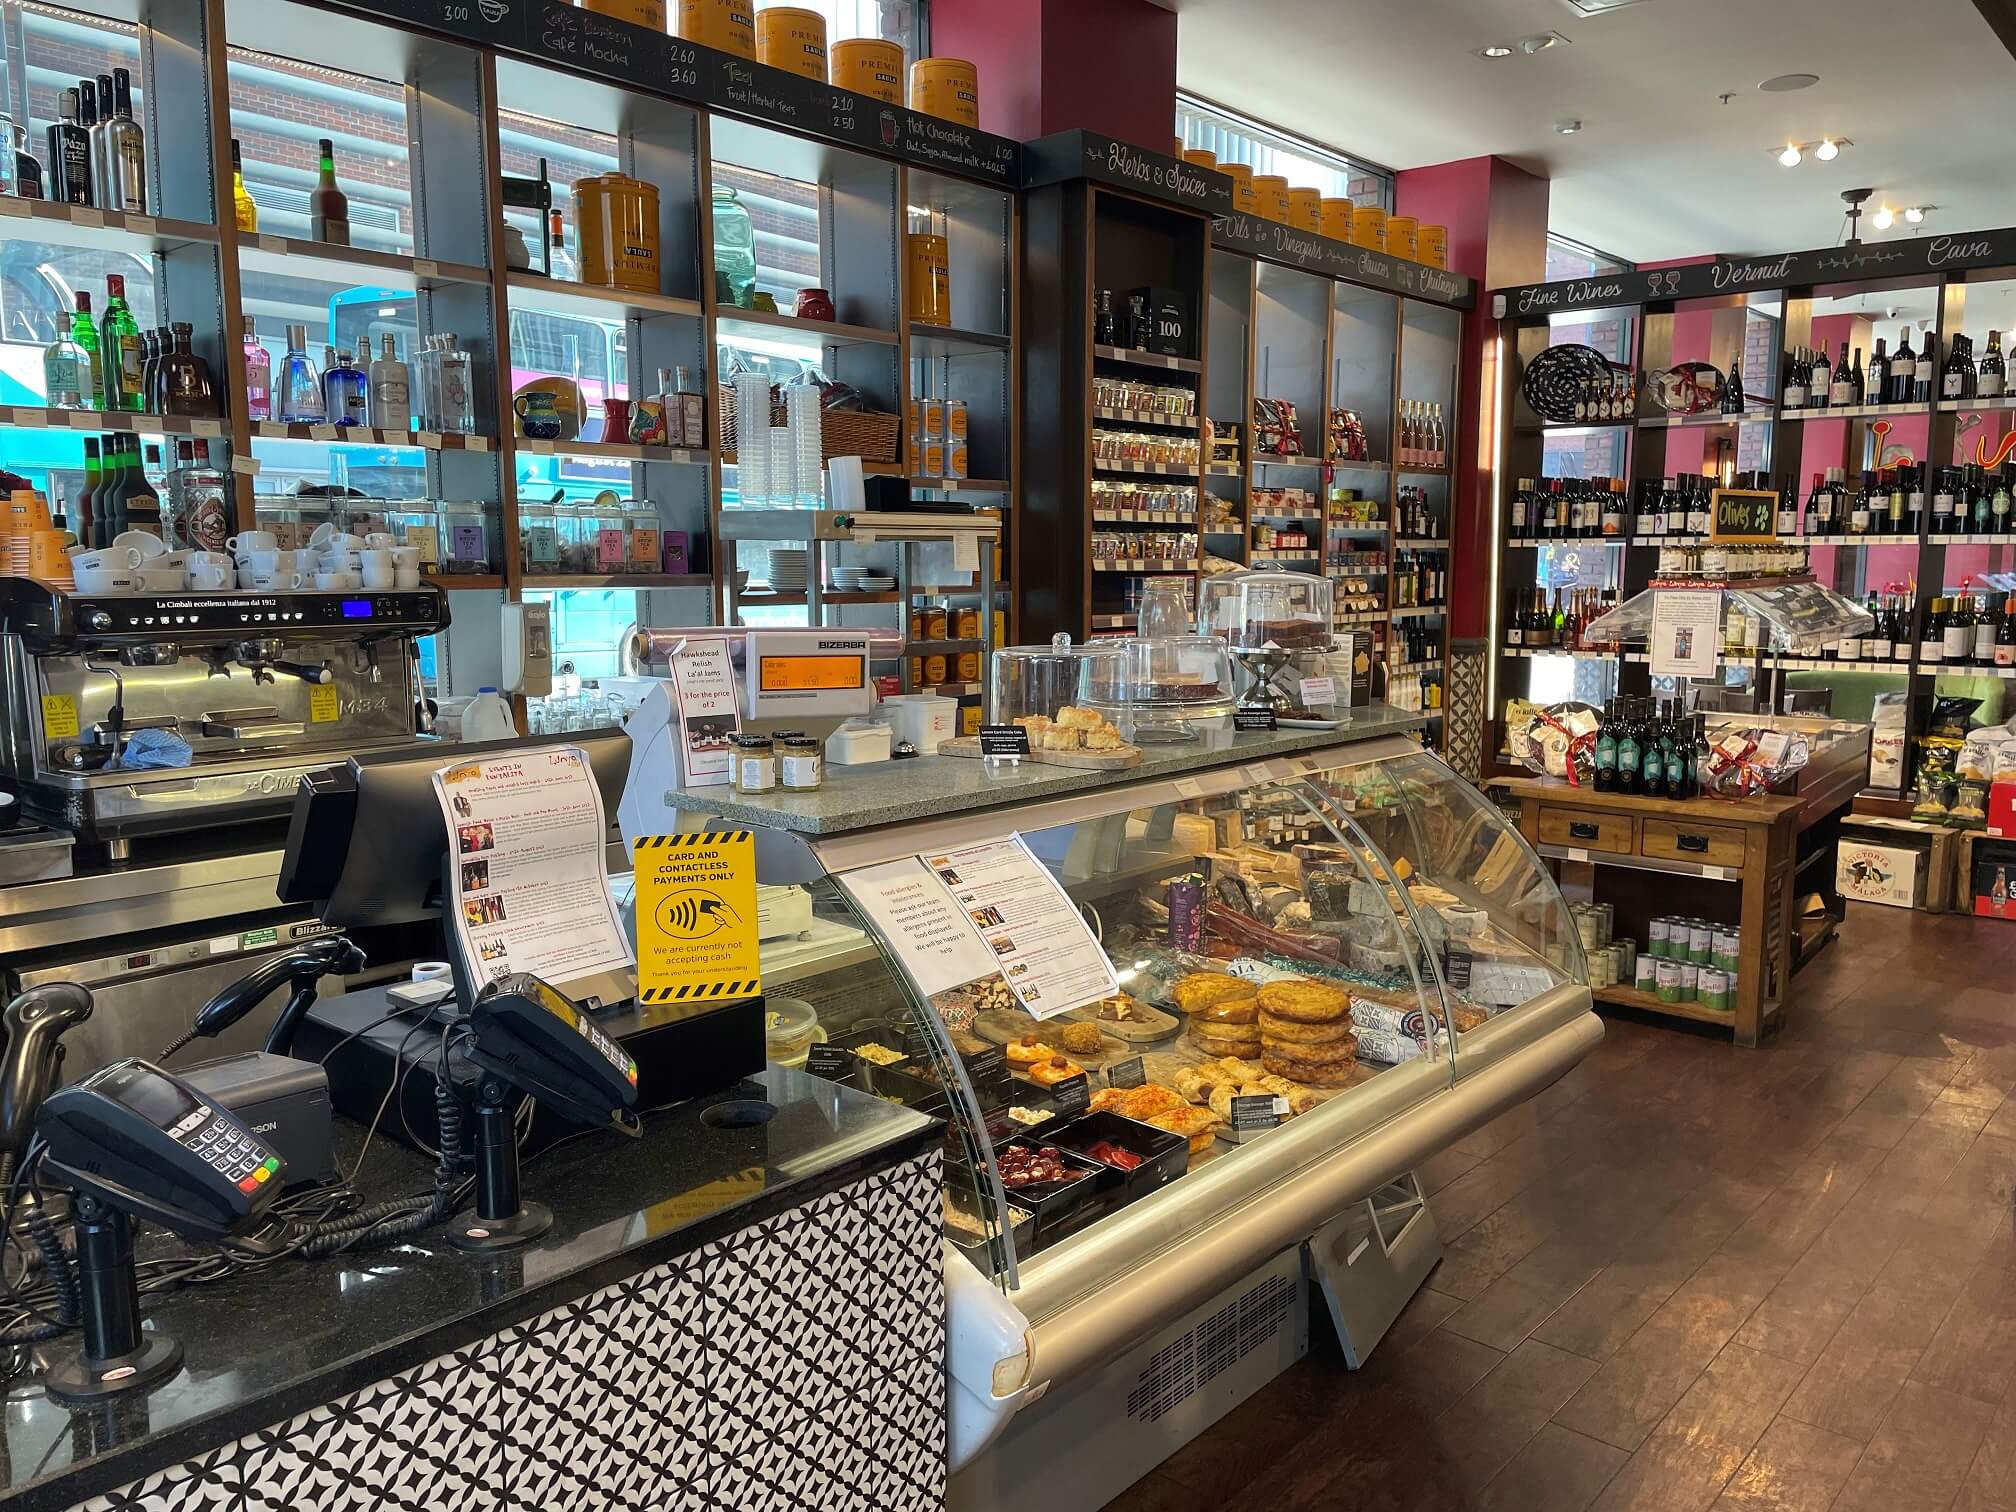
1691, 1277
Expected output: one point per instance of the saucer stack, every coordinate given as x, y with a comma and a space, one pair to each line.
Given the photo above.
787, 569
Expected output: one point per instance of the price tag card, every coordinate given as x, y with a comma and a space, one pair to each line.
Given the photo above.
1318, 690
1576, 853
834, 1062
988, 1065
429, 440
208, 428
536, 448
1255, 719
426, 267
1072, 1096
144, 224
1714, 873
31, 418
1132, 1072
247, 466
321, 433
147, 425
13, 205
1189, 787
479, 443
81, 420
1004, 740
1259, 1112
84, 215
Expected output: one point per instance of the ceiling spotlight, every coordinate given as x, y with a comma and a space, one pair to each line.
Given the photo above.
1916, 213
1567, 128
1883, 219
1827, 151
1540, 43
1495, 50
1790, 156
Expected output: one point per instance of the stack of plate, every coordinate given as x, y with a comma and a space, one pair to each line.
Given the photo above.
787, 569
861, 580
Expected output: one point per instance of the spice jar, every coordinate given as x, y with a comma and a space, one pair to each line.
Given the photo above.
969, 625
801, 765
936, 624
754, 764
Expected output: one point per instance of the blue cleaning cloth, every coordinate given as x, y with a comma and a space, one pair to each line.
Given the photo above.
154, 751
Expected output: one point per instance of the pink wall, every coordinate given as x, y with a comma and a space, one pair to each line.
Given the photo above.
1055, 65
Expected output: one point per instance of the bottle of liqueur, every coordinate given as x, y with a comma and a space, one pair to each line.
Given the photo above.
1903, 370
69, 155
1105, 330
1732, 391
95, 100
1630, 756
258, 376
328, 206
82, 521
1606, 749
119, 354
84, 331
186, 386
125, 150
243, 206
1988, 380
64, 367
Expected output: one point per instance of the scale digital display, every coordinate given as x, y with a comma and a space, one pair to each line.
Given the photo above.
356, 609
807, 674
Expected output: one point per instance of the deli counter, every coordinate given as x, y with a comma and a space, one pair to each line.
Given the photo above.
1191, 1027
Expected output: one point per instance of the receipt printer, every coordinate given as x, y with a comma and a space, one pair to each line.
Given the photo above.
283, 1101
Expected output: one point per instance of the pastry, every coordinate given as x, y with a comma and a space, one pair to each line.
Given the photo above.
1144, 1102
1195, 1124
1027, 1051
1121, 1009
880, 1055
1192, 1084
1240, 1070
1239, 1039
1108, 1099
1304, 1001
1244, 1010
1054, 1070
1201, 989
1280, 1031
1080, 1039
1328, 1070
1465, 1018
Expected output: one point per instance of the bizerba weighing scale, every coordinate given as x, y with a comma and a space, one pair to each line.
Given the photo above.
801, 680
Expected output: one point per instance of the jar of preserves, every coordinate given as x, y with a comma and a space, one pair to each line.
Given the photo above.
801, 763
753, 763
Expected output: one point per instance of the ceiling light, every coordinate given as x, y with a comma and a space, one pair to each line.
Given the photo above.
1541, 42
1495, 50
1788, 83
1567, 128
1790, 156
1916, 213
1883, 219
1826, 151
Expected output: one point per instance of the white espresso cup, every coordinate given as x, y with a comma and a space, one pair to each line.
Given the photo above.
405, 566
273, 582
210, 559
103, 579
246, 542
105, 558
208, 577
380, 540
339, 561
149, 546
378, 578
161, 579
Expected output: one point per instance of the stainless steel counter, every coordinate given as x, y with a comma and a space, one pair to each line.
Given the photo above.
109, 900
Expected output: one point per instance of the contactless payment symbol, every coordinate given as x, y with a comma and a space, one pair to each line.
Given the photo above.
696, 917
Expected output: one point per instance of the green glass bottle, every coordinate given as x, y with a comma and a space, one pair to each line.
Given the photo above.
84, 331
81, 523
119, 339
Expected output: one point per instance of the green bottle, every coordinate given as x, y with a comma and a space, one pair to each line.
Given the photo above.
85, 334
120, 342
81, 523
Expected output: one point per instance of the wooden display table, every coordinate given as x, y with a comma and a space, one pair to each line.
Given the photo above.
1658, 854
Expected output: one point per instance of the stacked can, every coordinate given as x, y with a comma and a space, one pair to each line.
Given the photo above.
938, 438
1691, 961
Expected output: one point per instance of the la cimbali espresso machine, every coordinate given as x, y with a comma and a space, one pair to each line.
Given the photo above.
141, 715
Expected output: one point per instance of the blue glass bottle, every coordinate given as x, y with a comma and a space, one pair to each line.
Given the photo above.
298, 392
345, 392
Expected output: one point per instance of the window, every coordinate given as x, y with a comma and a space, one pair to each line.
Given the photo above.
1568, 258
1234, 138
590, 626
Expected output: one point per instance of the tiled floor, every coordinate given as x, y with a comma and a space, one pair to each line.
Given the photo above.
1691, 1277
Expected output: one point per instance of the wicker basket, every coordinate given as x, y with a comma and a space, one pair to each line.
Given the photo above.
842, 433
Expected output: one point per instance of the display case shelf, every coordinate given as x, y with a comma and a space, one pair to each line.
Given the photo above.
85, 229
1954, 406
1631, 997
1421, 611
621, 580
1143, 564
32, 417
1262, 460
1415, 668
1143, 517
1857, 412
1289, 554
1343, 466
326, 262
1136, 358
1772, 660
1223, 470
760, 325
1700, 422
949, 341
1147, 417
962, 485
453, 580
1156, 469
591, 302
1420, 543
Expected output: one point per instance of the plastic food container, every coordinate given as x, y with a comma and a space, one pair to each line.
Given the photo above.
1060, 1207
1164, 1156
868, 66
1024, 681
791, 1028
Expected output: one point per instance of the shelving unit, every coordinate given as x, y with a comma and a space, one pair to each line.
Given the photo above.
1810, 306
465, 82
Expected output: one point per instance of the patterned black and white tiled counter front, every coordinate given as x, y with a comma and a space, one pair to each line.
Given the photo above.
788, 1354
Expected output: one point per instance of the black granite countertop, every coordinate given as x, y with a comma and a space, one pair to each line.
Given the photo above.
261, 1348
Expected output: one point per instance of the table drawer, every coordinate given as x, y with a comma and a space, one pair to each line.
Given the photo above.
1684, 840
1588, 829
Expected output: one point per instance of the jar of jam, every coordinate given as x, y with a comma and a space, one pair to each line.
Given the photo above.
937, 624
935, 671
969, 625
753, 764
801, 764
814, 304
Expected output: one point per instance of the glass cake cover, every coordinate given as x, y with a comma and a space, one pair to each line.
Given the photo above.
1173, 677
1026, 681
1265, 606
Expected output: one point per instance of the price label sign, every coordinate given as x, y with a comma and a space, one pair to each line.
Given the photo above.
1744, 514
833, 1062
1072, 1096
1004, 740
1259, 1112
1132, 1072
1255, 719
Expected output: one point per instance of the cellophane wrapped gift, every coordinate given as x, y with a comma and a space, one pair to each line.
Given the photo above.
1748, 760
1560, 741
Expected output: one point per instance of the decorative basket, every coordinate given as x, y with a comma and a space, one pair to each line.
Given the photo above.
865, 434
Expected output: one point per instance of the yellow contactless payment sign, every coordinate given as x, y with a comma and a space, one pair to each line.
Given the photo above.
696, 917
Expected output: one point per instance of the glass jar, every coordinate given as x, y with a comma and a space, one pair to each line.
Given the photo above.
640, 537
605, 539
801, 764
538, 540
577, 537
466, 542
417, 525
968, 625
734, 250
790, 1030
937, 624
753, 764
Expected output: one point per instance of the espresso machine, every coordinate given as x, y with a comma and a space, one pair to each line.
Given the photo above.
104, 695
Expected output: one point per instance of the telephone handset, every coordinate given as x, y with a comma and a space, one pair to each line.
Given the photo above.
147, 1144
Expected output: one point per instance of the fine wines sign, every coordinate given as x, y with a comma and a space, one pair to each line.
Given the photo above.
1917, 256
1238, 232
634, 57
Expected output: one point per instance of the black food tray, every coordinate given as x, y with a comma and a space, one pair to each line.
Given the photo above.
1167, 1155
1061, 1207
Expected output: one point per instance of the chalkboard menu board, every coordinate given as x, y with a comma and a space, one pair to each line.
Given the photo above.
1238, 232
1744, 514
634, 57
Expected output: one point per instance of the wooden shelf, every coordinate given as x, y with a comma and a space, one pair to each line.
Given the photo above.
950, 341
1143, 517
732, 320
1420, 543
610, 451
91, 230
871, 469
297, 257
1272, 461
1631, 997
453, 580
1339, 462
1153, 469
962, 485
1421, 611
32, 417
1142, 564
595, 303
1951, 406
366, 435
1405, 470
620, 580
1692, 422
1856, 412
1147, 417
1147, 359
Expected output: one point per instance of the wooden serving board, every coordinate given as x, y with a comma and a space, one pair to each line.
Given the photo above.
968, 747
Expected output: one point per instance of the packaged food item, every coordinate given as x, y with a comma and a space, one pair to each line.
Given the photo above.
1559, 741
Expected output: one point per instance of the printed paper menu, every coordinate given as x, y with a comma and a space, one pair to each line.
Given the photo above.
530, 889
984, 912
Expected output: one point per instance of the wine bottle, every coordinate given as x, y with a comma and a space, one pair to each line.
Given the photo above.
328, 206
1953, 377
2005, 634
1606, 748
1986, 626
1820, 392
1956, 630
1841, 388
1876, 377
1903, 370
1988, 379
1732, 391
1793, 395
1932, 634
1928, 372
1876, 640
